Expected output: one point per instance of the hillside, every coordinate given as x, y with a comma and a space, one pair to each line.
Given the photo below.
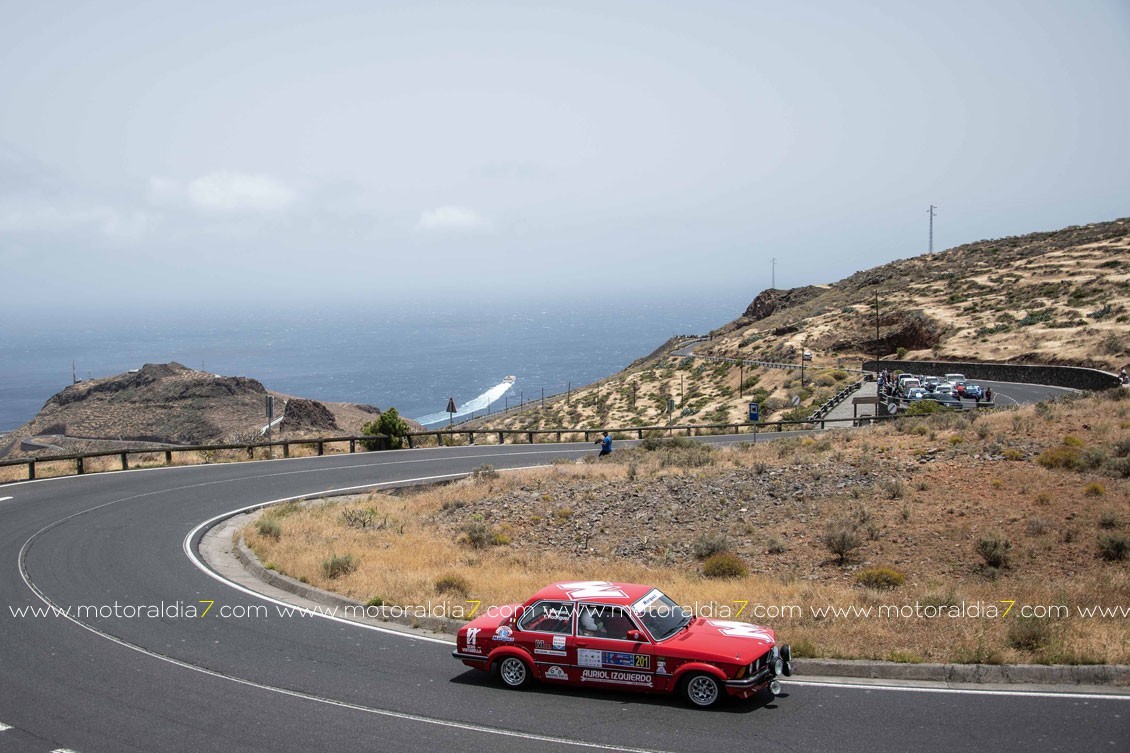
1058, 297
1028, 506
169, 403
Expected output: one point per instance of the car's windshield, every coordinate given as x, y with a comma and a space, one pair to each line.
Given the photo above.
660, 615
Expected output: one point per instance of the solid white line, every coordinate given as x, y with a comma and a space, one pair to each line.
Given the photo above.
4, 726
296, 694
961, 691
5, 499
319, 699
64, 750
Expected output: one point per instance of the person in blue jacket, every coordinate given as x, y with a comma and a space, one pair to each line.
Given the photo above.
605, 444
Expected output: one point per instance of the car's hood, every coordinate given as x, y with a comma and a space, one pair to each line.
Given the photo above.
725, 640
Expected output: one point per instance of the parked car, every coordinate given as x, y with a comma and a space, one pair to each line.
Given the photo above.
955, 377
973, 391
624, 636
946, 400
906, 385
931, 380
917, 393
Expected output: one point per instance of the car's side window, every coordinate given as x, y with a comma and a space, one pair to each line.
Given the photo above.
548, 617
605, 621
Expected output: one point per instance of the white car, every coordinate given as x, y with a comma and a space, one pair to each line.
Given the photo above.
955, 377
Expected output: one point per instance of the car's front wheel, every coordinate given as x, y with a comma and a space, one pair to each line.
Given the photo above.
702, 690
514, 672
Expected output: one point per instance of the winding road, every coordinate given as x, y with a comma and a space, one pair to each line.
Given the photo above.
114, 682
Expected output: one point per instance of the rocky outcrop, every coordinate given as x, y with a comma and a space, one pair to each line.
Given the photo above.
771, 301
308, 415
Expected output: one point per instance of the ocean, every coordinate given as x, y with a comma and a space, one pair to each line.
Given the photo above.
411, 357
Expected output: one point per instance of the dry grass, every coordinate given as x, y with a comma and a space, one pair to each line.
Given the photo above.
929, 535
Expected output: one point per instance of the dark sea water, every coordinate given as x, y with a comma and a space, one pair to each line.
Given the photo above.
412, 357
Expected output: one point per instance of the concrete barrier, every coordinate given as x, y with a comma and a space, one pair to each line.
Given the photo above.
1074, 377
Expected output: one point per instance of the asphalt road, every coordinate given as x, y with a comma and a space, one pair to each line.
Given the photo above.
106, 682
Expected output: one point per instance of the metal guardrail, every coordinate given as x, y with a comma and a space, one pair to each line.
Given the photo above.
384, 442
836, 399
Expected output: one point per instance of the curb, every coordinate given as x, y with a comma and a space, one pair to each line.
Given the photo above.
1110, 675
977, 674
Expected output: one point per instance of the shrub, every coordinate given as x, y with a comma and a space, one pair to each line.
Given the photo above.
478, 535
338, 565
923, 408
1108, 519
356, 517
994, 551
840, 538
485, 471
1113, 547
1072, 441
1013, 454
270, 529
391, 424
1063, 456
724, 565
709, 544
1029, 634
452, 584
893, 488
1094, 490
775, 546
376, 601
880, 578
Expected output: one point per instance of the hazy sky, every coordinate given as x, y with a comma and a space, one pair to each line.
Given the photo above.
192, 151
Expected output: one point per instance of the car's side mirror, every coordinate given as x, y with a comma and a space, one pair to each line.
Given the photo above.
635, 635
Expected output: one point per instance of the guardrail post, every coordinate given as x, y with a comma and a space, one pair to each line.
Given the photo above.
439, 439
321, 448
79, 466
501, 438
250, 452
31, 470
530, 436
125, 463
286, 449
352, 446
639, 434
168, 457
558, 437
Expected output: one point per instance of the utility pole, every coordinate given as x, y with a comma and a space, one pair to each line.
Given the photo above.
773, 278
932, 208
878, 355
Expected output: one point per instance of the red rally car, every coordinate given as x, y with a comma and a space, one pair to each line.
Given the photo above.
622, 635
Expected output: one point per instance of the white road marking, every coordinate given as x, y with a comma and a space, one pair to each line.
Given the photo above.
1006, 397
293, 693
4, 726
64, 750
961, 691
5, 499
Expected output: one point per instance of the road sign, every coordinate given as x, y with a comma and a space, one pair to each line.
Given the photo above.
796, 400
451, 405
754, 412
270, 407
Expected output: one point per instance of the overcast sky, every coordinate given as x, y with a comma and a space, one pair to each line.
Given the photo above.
186, 152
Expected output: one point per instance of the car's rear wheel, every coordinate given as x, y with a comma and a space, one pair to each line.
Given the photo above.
702, 690
514, 672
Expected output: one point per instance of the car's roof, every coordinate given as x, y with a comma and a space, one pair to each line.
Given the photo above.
600, 591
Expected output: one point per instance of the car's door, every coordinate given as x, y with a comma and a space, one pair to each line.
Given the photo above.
545, 632
612, 650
